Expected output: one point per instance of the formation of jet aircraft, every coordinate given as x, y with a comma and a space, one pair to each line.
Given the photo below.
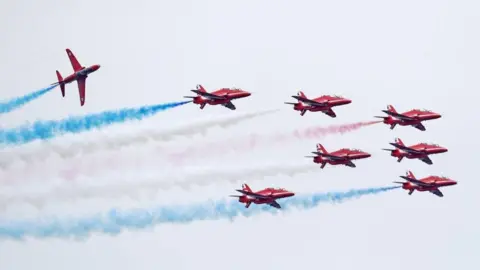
324, 104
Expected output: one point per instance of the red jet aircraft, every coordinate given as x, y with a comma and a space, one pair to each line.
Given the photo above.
265, 196
410, 118
340, 157
223, 96
418, 151
430, 183
320, 104
80, 74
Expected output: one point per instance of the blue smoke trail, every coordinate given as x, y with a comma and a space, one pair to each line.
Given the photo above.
48, 129
8, 106
115, 220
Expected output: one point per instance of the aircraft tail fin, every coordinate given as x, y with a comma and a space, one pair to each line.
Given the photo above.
391, 109
409, 174
201, 89
60, 82
245, 187
301, 94
321, 149
399, 141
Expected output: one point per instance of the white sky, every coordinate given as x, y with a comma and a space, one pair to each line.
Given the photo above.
411, 54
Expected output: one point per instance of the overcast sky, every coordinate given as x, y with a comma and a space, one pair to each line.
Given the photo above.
411, 54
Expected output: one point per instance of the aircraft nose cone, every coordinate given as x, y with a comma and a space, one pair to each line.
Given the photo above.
245, 93
347, 101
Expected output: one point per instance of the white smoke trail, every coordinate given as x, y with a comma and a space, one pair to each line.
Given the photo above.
136, 158
251, 142
42, 150
147, 185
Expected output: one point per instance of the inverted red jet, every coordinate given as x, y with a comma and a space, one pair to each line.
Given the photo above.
320, 104
223, 96
264, 196
343, 156
430, 183
80, 74
411, 118
419, 151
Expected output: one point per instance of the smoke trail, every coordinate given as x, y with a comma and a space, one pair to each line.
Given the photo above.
316, 132
15, 103
115, 220
143, 183
48, 129
72, 149
249, 143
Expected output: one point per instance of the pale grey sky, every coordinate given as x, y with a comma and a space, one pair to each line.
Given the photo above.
411, 54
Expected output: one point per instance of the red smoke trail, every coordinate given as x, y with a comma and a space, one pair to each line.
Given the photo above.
254, 140
317, 132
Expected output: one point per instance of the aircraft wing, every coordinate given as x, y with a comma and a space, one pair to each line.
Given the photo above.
330, 156
400, 116
208, 95
417, 182
437, 192
407, 149
73, 60
419, 126
350, 164
427, 160
81, 89
330, 113
229, 105
310, 102
275, 204
256, 195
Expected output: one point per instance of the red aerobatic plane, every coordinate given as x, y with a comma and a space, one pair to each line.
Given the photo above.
419, 151
264, 196
430, 183
411, 118
320, 104
223, 96
343, 156
80, 74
